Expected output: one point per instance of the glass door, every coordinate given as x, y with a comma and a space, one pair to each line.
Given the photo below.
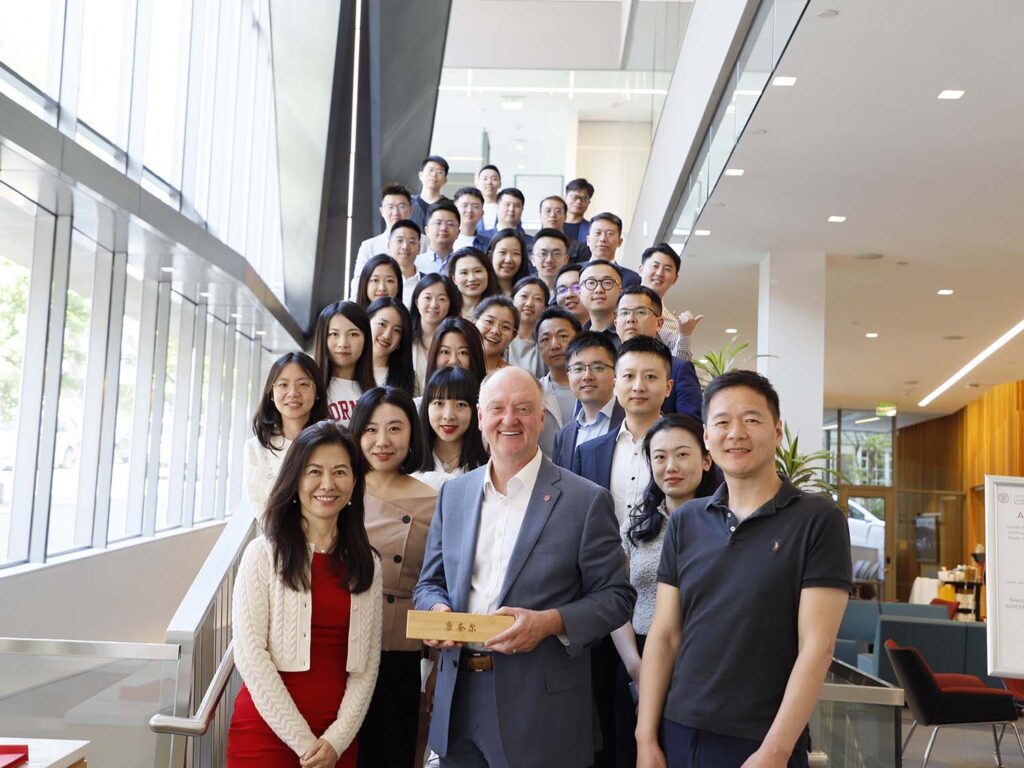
867, 510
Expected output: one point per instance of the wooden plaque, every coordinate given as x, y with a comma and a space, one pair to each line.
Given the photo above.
460, 627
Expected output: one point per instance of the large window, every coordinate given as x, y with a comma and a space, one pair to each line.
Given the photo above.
30, 41
168, 77
104, 83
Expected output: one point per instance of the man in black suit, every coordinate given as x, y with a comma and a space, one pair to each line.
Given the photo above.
590, 362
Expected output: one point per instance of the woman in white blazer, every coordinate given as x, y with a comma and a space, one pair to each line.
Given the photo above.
307, 612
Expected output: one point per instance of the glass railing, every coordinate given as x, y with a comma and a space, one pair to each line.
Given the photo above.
104, 693
773, 26
857, 722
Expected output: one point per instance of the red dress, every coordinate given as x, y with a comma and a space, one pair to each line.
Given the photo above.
317, 693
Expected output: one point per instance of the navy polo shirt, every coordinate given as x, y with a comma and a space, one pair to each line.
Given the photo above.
739, 593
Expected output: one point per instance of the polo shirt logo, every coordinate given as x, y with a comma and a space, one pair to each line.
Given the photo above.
776, 545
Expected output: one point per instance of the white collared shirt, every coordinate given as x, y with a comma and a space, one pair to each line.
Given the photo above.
408, 286
630, 473
501, 518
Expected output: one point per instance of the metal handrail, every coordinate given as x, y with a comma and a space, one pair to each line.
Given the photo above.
101, 649
199, 723
862, 688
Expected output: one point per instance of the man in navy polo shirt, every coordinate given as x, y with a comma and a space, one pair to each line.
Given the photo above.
752, 586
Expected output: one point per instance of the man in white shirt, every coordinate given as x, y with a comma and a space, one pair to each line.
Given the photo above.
556, 328
523, 538
404, 247
441, 230
488, 181
659, 270
470, 202
395, 205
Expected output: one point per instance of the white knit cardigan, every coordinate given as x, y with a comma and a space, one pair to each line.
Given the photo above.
272, 634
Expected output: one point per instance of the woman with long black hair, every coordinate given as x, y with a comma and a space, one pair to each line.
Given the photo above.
392, 344
341, 345
307, 613
453, 444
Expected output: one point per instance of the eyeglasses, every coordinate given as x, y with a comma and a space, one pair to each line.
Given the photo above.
578, 198
445, 224
605, 282
400, 207
470, 207
640, 313
562, 290
578, 369
544, 255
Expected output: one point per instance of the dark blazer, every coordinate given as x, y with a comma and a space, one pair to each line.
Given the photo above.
686, 395
567, 556
565, 438
593, 459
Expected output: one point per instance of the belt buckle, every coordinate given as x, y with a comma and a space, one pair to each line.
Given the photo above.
479, 662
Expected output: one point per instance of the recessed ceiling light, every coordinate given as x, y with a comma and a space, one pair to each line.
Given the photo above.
836, 219
261, 333
733, 171
520, 167
702, 232
869, 256
784, 82
867, 420
945, 292
977, 360
205, 295
237, 315
870, 335
950, 95
731, 330
828, 13
759, 131
972, 385
520, 147
952, 338
168, 270
911, 381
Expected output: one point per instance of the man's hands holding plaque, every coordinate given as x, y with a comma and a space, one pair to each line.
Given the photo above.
508, 630
529, 628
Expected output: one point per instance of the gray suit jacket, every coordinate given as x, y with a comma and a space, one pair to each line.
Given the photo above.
567, 556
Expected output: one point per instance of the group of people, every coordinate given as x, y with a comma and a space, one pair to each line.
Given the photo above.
502, 423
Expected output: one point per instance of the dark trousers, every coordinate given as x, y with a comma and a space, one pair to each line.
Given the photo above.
388, 736
604, 661
625, 714
474, 740
689, 748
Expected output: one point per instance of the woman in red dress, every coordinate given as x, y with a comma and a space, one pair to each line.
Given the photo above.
307, 613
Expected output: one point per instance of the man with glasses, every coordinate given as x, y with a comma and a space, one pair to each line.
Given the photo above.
567, 291
395, 205
590, 365
578, 194
639, 313
550, 253
433, 176
659, 270
600, 287
470, 202
442, 229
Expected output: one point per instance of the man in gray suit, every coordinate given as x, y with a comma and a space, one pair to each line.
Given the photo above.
524, 538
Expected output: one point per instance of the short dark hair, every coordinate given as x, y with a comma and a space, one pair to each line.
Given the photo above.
557, 234
580, 185
646, 345
664, 248
643, 290
381, 259
468, 190
443, 205
406, 224
590, 340
609, 217
555, 312
489, 167
402, 400
500, 301
267, 422
394, 188
454, 301
453, 383
572, 266
351, 559
532, 280
514, 193
554, 197
435, 159
599, 263
749, 379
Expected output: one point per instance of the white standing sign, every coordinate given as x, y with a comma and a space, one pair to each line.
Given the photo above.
1004, 574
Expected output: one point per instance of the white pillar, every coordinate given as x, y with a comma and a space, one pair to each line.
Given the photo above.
791, 328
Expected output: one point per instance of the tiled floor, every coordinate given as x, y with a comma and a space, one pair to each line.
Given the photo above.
967, 747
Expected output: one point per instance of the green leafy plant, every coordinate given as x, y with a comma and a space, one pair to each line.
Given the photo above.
729, 357
807, 471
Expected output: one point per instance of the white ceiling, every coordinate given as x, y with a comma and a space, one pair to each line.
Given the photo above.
935, 186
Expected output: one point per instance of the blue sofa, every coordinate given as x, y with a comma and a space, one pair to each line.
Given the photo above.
860, 623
